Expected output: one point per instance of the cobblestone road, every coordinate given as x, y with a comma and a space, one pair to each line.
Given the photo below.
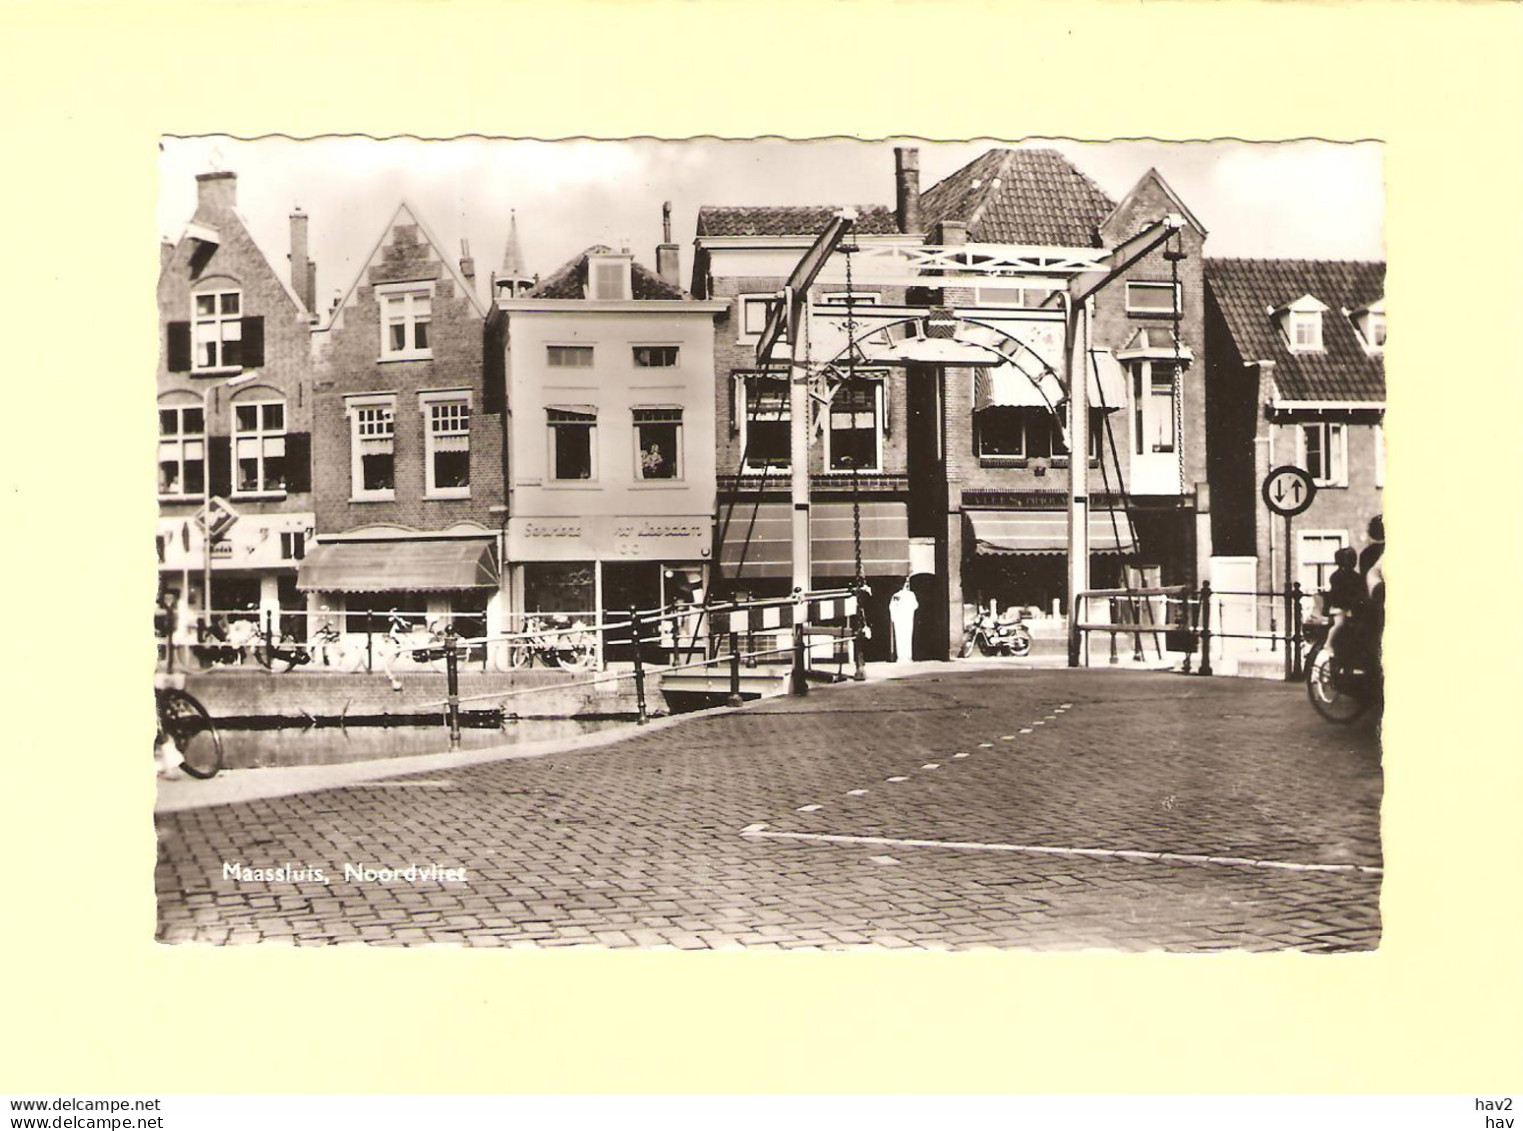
1241, 819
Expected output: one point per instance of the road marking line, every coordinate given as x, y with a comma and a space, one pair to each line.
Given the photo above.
960, 754
985, 745
1007, 738
1025, 730
1066, 706
931, 766
898, 779
806, 808
855, 792
425, 784
1050, 850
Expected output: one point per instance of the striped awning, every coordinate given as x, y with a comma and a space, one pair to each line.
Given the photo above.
380, 567
1008, 386
762, 535
1046, 532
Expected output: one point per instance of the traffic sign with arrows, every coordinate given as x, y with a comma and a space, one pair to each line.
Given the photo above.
1289, 490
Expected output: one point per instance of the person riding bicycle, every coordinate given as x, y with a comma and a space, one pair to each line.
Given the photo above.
1345, 598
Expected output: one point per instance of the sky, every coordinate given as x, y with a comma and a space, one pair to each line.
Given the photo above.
1304, 199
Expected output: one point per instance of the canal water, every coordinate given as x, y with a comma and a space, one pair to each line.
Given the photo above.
246, 747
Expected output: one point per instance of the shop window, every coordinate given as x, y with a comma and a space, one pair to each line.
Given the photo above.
372, 441
1314, 557
559, 587
182, 451
259, 447
1324, 453
571, 443
217, 329
371, 612
855, 435
406, 320
568, 357
658, 441
655, 357
447, 444
1154, 387
763, 420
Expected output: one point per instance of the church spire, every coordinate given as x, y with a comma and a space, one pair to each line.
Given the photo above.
514, 279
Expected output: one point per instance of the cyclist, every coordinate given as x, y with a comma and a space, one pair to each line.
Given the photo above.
1344, 599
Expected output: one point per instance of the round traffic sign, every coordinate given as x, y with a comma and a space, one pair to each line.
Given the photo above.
1288, 490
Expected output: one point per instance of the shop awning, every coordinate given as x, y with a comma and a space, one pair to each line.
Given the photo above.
379, 567
1007, 386
1046, 532
769, 551
1107, 381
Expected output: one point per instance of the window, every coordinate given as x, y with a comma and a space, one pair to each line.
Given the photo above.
1011, 435
1305, 330
182, 451
1324, 454
293, 545
571, 446
372, 425
658, 443
568, 357
753, 316
406, 315
1380, 455
1096, 434
855, 435
1026, 297
1314, 557
259, 447
1153, 298
854, 298
1371, 324
1153, 391
655, 357
217, 326
763, 420
447, 444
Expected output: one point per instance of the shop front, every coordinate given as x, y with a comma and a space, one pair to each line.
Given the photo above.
593, 568
1018, 559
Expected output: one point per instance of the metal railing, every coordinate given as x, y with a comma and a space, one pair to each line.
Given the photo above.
1193, 619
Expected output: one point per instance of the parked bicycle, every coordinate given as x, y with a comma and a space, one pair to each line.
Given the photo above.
186, 732
554, 642
326, 649
424, 646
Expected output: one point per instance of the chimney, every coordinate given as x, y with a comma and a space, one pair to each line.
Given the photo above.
303, 270
467, 264
951, 233
907, 188
667, 266
216, 192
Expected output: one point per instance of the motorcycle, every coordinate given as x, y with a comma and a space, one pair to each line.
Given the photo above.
1342, 687
994, 636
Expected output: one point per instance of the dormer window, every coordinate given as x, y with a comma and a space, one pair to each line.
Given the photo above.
1301, 323
608, 277
1371, 324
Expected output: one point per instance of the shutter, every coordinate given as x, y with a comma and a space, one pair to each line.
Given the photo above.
178, 347
219, 465
298, 461
253, 342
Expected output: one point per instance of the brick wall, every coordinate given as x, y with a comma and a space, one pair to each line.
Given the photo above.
349, 363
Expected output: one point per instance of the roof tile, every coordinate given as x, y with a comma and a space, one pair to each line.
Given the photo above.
1020, 196
793, 220
1246, 290
570, 279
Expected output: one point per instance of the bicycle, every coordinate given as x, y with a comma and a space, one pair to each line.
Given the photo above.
183, 721
327, 649
559, 643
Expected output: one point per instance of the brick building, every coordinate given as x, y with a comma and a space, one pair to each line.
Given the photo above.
609, 369
1295, 376
409, 480
962, 464
235, 410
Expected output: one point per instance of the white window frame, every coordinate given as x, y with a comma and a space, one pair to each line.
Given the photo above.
1150, 285
681, 454
1380, 455
634, 354
592, 445
1012, 295
178, 443
386, 295
1303, 538
1372, 325
1309, 319
1144, 412
878, 380
1335, 455
427, 402
742, 414
260, 438
573, 349
743, 304
354, 407
223, 322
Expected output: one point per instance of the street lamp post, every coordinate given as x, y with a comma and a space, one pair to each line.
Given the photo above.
206, 523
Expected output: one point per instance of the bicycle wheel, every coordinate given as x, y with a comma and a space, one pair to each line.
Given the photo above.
190, 728
1329, 694
278, 658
